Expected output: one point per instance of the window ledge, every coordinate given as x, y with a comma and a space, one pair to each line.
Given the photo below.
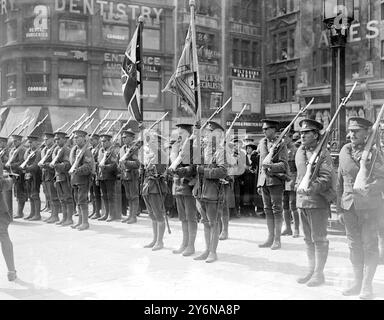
283, 15
283, 61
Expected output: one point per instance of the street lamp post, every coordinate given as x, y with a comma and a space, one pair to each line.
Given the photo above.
337, 16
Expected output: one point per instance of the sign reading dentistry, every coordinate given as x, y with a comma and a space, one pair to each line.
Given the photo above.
111, 10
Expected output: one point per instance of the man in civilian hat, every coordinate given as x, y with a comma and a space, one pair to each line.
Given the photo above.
361, 212
271, 182
33, 177
48, 177
237, 172
81, 176
4, 152
107, 176
289, 195
129, 167
95, 192
182, 190
313, 203
62, 165
208, 191
15, 159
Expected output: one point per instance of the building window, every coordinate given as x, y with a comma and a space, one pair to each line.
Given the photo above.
314, 67
325, 66
236, 52
274, 90
283, 42
256, 58
283, 89
245, 53
11, 80
11, 33
72, 31
282, 7
151, 92
151, 39
274, 47
72, 87
115, 33
382, 9
355, 70
292, 80
37, 78
291, 44
112, 78
207, 47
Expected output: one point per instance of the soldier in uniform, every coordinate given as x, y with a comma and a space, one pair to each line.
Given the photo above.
16, 158
154, 160
62, 165
271, 182
81, 176
107, 175
314, 203
33, 178
182, 191
48, 177
208, 190
5, 220
95, 192
4, 158
360, 212
289, 195
129, 167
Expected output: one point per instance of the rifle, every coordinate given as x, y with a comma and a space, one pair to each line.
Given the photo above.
30, 156
18, 126
309, 176
72, 126
78, 127
113, 123
238, 115
100, 123
26, 126
88, 124
276, 145
10, 160
216, 112
363, 175
78, 158
121, 129
62, 127
139, 143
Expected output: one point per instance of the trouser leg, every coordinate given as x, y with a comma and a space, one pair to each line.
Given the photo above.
202, 208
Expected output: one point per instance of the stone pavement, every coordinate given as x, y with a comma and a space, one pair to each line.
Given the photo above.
108, 261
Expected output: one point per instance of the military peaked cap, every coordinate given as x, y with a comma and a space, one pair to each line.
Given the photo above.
48, 134
356, 123
185, 126
269, 123
128, 132
310, 125
17, 136
4, 139
80, 133
32, 137
106, 135
212, 125
60, 134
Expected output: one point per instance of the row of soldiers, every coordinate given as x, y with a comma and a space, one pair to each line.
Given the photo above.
202, 165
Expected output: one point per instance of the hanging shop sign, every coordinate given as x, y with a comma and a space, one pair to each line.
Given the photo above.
211, 82
36, 23
73, 54
243, 73
246, 92
244, 29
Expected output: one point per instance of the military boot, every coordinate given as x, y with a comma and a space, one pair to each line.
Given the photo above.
207, 237
106, 214
184, 243
355, 289
311, 264
133, 211
79, 222
154, 230
224, 231
112, 213
287, 220
271, 232
69, 211
296, 223
366, 289
55, 213
11, 275
276, 240
64, 217
215, 232
32, 213
321, 253
37, 215
20, 208
84, 214
160, 234
192, 231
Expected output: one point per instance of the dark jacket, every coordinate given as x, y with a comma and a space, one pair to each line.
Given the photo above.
320, 185
32, 169
130, 167
154, 175
18, 158
62, 164
84, 170
48, 172
349, 165
291, 152
279, 169
109, 170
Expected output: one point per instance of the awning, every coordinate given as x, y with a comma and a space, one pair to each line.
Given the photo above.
16, 115
60, 115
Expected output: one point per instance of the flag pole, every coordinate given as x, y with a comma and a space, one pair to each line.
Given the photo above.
192, 5
140, 65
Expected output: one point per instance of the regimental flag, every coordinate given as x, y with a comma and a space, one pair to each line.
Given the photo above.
182, 81
130, 76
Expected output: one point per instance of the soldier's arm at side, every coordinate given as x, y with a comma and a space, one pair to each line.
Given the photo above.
86, 167
323, 181
339, 187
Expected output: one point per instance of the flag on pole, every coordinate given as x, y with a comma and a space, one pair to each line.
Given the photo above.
130, 76
182, 82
